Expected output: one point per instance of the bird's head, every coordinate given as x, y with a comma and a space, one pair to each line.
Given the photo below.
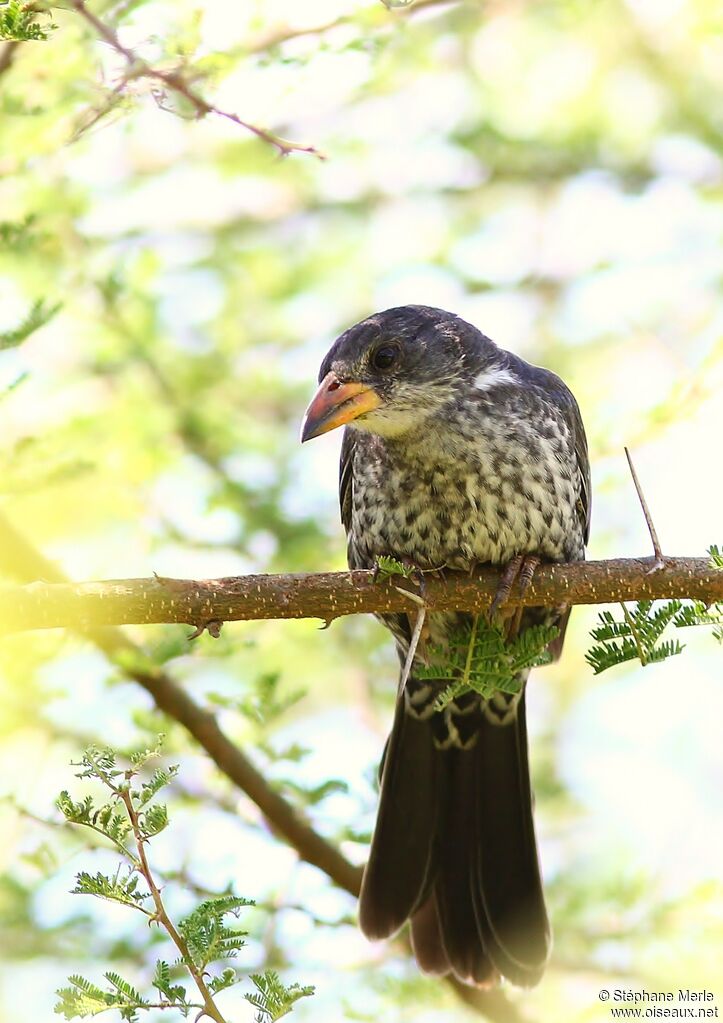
390, 372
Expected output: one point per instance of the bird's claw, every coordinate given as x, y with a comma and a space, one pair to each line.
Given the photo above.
520, 569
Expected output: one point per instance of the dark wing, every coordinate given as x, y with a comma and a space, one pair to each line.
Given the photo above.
583, 464
564, 400
551, 389
346, 478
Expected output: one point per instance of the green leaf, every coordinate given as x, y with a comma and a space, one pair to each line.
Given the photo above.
18, 235
635, 637
311, 795
17, 25
98, 763
387, 567
40, 313
264, 705
141, 757
224, 980
76, 813
162, 981
482, 660
208, 937
83, 998
116, 889
153, 821
272, 999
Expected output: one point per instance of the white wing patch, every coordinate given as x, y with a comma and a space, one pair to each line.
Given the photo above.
492, 377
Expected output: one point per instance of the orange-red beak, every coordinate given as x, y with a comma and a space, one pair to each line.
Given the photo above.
335, 404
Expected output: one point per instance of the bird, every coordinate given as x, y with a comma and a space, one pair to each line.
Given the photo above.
455, 454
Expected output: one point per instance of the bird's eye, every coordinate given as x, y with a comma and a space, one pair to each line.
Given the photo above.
384, 356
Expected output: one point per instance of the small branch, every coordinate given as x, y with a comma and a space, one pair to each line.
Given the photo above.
7, 55
413, 644
176, 82
634, 633
209, 1006
42, 605
659, 558
284, 33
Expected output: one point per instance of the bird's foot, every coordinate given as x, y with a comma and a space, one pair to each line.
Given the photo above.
520, 569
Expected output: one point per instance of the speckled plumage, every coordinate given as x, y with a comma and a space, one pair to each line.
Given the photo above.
472, 456
494, 473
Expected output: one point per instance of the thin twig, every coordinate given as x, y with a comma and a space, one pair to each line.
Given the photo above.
634, 633
659, 557
413, 644
470, 651
175, 80
285, 33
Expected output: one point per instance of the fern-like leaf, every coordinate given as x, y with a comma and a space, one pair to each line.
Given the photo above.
272, 999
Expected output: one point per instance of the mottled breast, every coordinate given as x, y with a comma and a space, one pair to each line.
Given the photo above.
486, 482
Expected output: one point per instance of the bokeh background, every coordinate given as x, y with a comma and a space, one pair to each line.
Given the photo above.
551, 171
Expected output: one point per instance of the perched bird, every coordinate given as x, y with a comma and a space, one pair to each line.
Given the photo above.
456, 453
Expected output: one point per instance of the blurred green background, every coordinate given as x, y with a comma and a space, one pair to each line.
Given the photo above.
549, 170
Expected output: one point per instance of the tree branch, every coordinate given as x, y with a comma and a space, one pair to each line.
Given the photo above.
7, 55
284, 33
44, 605
20, 559
178, 83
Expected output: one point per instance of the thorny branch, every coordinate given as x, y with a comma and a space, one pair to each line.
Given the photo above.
208, 602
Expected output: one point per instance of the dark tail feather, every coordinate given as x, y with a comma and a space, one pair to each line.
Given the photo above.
466, 948
454, 849
507, 888
398, 873
427, 943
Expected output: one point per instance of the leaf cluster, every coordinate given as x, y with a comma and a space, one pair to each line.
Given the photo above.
483, 660
17, 23
387, 567
272, 999
264, 705
208, 936
83, 998
203, 938
637, 636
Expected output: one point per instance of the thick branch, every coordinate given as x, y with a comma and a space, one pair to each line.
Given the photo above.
43, 605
